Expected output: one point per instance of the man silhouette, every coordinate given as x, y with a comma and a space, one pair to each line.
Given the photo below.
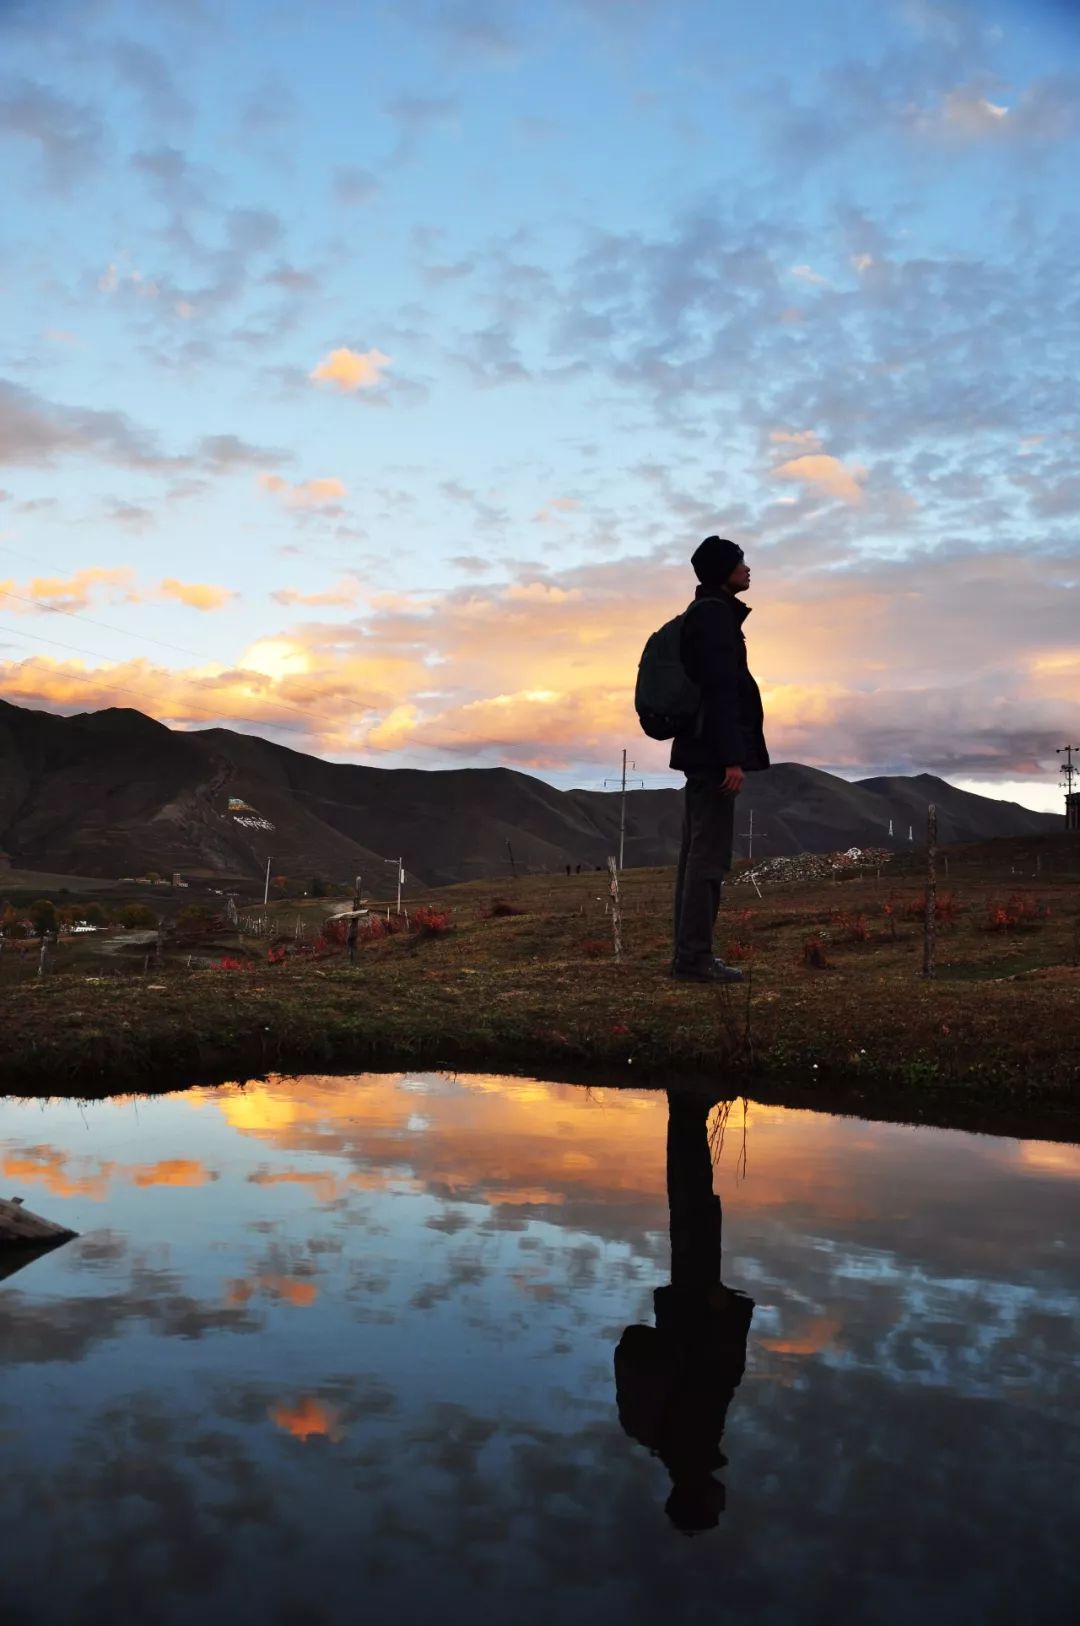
727, 743
675, 1381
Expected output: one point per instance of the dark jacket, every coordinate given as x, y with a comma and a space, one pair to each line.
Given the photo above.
730, 729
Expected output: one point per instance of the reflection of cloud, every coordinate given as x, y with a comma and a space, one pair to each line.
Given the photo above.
1048, 1157
173, 1171
56, 1171
296, 1290
811, 1338
48, 1167
307, 1418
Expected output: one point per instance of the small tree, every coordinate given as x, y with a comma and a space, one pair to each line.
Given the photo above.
317, 887
94, 915
11, 923
137, 915
43, 913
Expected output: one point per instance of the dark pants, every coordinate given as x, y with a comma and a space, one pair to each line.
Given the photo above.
704, 860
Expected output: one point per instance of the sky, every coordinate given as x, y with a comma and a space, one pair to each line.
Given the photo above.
369, 372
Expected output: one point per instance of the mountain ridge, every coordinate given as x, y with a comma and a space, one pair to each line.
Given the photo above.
114, 792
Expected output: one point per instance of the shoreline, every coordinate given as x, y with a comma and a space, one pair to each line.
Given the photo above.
125, 1036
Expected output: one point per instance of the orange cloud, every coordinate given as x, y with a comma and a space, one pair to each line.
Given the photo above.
74, 592
196, 595
304, 493
307, 1418
350, 370
827, 474
346, 592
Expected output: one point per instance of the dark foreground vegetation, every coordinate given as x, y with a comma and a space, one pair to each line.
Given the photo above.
520, 977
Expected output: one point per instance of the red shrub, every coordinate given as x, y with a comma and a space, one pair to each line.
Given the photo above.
739, 950
229, 962
431, 922
594, 948
813, 953
336, 932
277, 954
1018, 910
853, 927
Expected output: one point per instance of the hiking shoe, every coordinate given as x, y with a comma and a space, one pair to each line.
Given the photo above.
714, 971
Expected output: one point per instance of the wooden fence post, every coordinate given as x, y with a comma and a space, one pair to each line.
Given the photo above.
354, 923
930, 924
616, 916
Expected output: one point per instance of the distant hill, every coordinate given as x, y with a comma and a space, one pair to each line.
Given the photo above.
114, 793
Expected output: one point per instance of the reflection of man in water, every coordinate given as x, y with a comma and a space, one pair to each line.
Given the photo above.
674, 1381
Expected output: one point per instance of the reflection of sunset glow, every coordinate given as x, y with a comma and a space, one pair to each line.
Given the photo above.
295, 1290
174, 1171
817, 1335
1051, 1158
307, 1418
45, 1166
49, 1167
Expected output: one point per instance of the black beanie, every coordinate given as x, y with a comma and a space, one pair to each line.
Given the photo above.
715, 559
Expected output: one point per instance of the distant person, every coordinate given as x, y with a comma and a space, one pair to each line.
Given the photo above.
726, 743
674, 1382
568, 869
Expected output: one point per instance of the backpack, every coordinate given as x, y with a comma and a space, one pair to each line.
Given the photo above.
666, 698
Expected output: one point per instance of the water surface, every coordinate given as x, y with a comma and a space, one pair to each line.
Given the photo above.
409, 1348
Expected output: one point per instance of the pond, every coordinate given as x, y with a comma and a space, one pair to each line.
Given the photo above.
396, 1348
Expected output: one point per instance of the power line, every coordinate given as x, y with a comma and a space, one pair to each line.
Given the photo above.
96, 654
76, 615
121, 688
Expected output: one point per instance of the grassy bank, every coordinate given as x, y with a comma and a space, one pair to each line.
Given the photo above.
835, 1011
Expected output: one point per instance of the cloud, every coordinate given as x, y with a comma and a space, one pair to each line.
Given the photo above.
196, 595
321, 493
72, 593
36, 433
147, 73
414, 117
346, 592
470, 29
350, 370
354, 186
66, 135
827, 474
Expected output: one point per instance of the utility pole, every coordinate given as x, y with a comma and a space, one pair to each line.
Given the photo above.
622, 804
513, 866
266, 888
1068, 767
749, 834
930, 918
400, 878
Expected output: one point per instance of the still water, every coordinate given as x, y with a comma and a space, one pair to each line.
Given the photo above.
395, 1349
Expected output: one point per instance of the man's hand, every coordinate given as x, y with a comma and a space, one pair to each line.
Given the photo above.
734, 779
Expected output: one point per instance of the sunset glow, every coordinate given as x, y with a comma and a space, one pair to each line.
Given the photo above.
390, 435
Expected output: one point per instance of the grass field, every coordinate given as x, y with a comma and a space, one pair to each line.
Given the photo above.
835, 1009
